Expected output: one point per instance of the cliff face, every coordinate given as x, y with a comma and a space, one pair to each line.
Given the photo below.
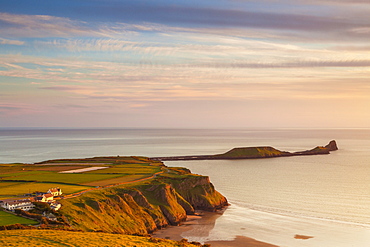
145, 207
200, 193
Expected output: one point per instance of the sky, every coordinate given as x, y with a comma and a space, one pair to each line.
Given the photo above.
185, 64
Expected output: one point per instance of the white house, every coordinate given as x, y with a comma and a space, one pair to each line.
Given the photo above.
11, 204
55, 191
44, 198
55, 206
47, 198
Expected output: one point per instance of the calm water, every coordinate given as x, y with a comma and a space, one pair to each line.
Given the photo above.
326, 196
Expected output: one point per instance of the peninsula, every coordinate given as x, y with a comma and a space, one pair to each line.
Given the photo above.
254, 153
126, 195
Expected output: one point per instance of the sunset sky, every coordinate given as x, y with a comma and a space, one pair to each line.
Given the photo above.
185, 64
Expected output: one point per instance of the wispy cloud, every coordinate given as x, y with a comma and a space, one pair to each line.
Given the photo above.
44, 26
180, 19
66, 88
295, 64
365, 2
12, 109
209, 17
11, 42
311, 2
99, 45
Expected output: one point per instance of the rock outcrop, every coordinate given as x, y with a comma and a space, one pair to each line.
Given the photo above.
141, 209
332, 146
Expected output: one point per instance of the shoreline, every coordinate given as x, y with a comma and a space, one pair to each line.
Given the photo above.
200, 225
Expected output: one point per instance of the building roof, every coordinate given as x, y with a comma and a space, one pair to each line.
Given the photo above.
54, 190
17, 202
48, 195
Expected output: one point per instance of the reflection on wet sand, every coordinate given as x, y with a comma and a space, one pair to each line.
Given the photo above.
199, 226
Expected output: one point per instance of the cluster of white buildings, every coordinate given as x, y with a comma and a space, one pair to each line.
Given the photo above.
11, 204
27, 204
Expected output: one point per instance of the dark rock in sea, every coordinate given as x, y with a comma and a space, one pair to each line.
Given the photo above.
332, 146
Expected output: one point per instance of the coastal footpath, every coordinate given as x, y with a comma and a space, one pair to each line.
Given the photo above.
254, 153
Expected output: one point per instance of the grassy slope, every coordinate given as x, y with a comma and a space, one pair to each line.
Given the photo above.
10, 219
106, 210
252, 152
139, 208
36, 238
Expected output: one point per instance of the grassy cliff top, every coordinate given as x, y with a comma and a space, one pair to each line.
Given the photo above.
19, 179
251, 152
36, 238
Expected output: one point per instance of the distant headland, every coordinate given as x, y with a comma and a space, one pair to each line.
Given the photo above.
254, 153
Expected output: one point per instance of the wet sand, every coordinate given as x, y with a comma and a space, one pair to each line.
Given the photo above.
240, 241
200, 225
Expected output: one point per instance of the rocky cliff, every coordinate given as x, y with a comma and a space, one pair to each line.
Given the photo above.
143, 207
332, 146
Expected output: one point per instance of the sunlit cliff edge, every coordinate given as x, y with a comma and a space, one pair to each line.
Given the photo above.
144, 207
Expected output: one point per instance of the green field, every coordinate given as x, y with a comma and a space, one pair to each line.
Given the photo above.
9, 219
14, 189
19, 179
129, 169
16, 180
70, 178
37, 238
122, 179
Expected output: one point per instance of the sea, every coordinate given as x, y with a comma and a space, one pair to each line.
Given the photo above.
323, 197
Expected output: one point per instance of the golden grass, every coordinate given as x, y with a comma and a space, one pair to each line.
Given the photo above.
37, 238
13, 189
59, 168
124, 179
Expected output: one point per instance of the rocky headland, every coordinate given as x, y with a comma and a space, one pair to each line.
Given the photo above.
142, 208
255, 153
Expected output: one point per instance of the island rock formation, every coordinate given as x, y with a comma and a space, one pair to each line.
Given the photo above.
255, 153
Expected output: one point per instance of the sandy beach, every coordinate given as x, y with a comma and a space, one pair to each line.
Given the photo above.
240, 241
200, 225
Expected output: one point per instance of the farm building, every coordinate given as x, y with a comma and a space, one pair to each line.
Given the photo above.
11, 204
55, 191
